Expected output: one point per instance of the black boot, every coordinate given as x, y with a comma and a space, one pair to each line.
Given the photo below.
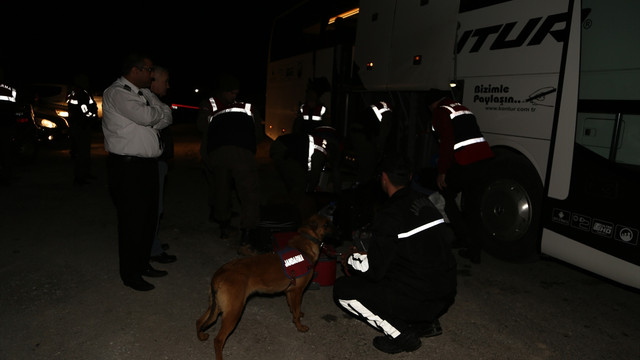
407, 341
426, 329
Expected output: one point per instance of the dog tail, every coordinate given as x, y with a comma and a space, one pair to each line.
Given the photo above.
209, 317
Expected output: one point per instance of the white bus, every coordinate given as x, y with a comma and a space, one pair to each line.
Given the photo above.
555, 86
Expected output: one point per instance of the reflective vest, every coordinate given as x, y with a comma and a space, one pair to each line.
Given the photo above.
7, 93
468, 143
465, 128
311, 118
234, 107
231, 125
379, 109
313, 114
82, 99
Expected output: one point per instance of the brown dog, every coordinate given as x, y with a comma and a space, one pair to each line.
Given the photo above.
234, 281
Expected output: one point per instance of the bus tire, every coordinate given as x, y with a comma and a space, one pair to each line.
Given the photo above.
510, 207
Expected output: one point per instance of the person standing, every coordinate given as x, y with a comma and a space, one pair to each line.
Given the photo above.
371, 137
159, 88
225, 93
8, 108
461, 167
314, 121
404, 278
231, 148
132, 118
83, 111
312, 112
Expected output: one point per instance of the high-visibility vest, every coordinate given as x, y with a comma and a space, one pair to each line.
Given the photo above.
469, 145
82, 98
7, 93
379, 109
234, 107
312, 114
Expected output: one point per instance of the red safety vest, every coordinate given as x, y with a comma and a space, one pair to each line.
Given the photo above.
459, 135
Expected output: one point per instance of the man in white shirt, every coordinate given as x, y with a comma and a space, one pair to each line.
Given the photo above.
132, 118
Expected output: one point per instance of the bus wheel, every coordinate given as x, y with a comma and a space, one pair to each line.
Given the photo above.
510, 208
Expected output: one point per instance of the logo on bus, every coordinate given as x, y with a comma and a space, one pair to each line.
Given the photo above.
506, 40
602, 228
626, 234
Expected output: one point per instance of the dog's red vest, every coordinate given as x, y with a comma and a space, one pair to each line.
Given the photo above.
294, 263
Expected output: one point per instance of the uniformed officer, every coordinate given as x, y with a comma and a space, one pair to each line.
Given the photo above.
403, 279
462, 165
83, 111
231, 147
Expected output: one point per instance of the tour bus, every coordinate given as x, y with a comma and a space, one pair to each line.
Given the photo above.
555, 86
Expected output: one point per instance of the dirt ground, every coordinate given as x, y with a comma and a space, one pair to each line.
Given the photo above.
61, 296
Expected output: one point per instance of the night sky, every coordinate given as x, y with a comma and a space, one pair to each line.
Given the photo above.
194, 40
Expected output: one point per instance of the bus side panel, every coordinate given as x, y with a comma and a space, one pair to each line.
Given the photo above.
286, 84
599, 209
509, 58
392, 33
512, 38
586, 257
373, 40
589, 216
426, 31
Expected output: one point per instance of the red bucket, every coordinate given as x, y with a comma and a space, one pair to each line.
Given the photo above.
325, 271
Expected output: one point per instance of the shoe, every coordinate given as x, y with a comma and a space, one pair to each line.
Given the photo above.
164, 258
468, 254
426, 329
247, 250
139, 284
407, 341
151, 272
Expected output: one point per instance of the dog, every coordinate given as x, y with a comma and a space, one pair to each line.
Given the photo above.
234, 281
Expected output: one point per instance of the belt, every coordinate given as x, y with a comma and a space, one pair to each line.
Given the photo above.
130, 158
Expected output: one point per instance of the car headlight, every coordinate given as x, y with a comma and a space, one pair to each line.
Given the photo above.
48, 124
62, 113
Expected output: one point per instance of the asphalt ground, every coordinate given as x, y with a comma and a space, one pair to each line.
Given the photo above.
61, 296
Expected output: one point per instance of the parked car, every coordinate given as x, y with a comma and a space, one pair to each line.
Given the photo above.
50, 111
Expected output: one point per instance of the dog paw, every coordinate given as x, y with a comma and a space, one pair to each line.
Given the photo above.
302, 328
203, 336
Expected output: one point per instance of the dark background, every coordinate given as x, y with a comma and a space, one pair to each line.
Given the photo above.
195, 40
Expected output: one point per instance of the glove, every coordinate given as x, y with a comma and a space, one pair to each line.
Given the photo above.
359, 261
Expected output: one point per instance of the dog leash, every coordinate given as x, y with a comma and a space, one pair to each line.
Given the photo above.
329, 252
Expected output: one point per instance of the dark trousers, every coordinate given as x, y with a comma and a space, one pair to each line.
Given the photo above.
134, 187
469, 180
383, 307
234, 166
81, 149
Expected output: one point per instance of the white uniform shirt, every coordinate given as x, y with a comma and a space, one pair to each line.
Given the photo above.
131, 122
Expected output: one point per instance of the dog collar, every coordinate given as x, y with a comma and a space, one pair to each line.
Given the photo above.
315, 240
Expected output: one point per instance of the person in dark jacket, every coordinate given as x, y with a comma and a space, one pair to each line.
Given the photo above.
232, 137
404, 279
83, 112
462, 166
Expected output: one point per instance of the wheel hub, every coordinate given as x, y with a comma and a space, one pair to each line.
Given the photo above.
505, 210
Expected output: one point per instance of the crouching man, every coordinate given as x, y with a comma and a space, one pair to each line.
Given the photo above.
404, 279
